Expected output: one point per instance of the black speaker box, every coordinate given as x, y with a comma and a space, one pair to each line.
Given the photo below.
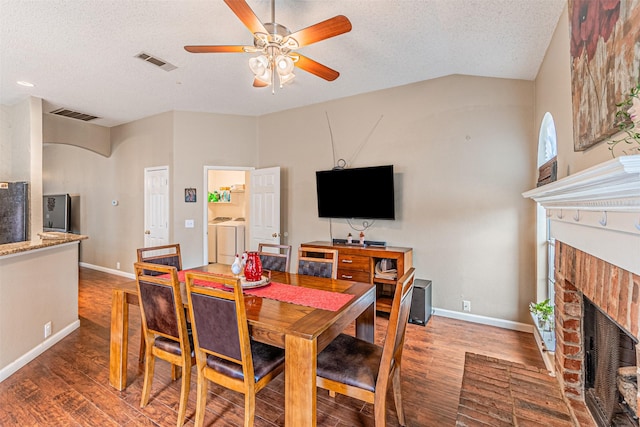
421, 302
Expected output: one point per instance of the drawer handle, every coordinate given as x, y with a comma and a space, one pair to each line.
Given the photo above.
344, 276
347, 261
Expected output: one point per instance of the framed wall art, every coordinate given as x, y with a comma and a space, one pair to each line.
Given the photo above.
605, 64
190, 195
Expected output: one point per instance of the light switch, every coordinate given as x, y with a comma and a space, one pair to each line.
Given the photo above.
188, 223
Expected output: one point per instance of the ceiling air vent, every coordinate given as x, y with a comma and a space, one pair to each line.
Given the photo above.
73, 114
160, 63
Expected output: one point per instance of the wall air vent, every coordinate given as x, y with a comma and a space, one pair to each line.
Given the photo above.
73, 114
160, 63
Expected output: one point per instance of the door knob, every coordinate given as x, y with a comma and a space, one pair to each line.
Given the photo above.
275, 235
147, 232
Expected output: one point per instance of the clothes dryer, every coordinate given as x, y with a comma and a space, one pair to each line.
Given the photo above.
229, 241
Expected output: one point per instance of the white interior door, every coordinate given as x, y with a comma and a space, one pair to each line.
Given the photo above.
156, 206
265, 206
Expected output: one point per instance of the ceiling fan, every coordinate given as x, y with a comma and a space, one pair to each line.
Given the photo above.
277, 46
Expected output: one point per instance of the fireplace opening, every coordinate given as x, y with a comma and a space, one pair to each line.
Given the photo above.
611, 387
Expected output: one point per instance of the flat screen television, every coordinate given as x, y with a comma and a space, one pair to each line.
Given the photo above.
364, 193
56, 212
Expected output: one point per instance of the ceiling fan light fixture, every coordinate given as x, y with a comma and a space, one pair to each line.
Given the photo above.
284, 65
258, 65
287, 78
265, 77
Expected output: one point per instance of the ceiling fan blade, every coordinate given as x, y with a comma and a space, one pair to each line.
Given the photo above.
316, 68
322, 30
259, 83
214, 49
246, 15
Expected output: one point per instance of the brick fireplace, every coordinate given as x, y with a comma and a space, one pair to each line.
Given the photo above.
615, 291
594, 217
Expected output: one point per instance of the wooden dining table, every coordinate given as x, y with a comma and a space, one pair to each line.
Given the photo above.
301, 330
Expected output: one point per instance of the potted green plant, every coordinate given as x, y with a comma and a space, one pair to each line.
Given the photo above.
543, 311
627, 117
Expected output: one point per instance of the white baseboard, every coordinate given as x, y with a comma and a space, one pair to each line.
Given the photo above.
108, 270
491, 321
13, 367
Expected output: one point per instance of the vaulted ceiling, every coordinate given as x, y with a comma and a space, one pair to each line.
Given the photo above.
82, 54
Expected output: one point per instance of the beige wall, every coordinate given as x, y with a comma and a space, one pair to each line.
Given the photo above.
185, 142
553, 94
205, 139
63, 130
461, 147
114, 231
461, 150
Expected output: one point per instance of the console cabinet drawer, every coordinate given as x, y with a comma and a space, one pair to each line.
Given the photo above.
358, 276
354, 262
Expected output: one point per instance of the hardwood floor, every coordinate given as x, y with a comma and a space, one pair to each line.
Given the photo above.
68, 385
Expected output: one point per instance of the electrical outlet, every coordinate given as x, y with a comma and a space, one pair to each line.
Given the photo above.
47, 329
118, 265
466, 306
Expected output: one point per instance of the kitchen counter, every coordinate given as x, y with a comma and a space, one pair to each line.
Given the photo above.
38, 296
43, 240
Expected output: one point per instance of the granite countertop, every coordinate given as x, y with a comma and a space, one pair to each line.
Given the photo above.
43, 240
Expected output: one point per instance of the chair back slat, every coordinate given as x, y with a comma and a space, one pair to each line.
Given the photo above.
168, 255
273, 262
217, 325
220, 325
158, 303
275, 257
160, 300
315, 268
318, 262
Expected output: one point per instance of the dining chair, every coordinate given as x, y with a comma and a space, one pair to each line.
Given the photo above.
364, 370
162, 255
227, 355
275, 257
164, 328
318, 262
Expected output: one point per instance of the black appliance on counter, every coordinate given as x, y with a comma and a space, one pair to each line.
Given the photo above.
14, 212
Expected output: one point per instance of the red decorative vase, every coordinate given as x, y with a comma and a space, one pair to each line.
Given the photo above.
253, 268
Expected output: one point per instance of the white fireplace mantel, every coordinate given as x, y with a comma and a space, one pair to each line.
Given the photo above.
610, 186
597, 210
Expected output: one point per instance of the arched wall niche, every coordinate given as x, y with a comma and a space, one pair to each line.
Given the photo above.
63, 130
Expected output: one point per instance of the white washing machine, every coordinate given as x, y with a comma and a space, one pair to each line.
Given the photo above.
212, 237
229, 241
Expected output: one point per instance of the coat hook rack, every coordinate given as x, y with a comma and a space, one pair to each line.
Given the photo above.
576, 216
603, 220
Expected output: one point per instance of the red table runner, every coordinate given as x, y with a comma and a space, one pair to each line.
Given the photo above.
316, 298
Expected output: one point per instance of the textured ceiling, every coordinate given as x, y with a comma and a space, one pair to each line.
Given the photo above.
80, 54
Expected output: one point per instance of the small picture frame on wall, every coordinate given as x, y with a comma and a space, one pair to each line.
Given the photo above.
189, 195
